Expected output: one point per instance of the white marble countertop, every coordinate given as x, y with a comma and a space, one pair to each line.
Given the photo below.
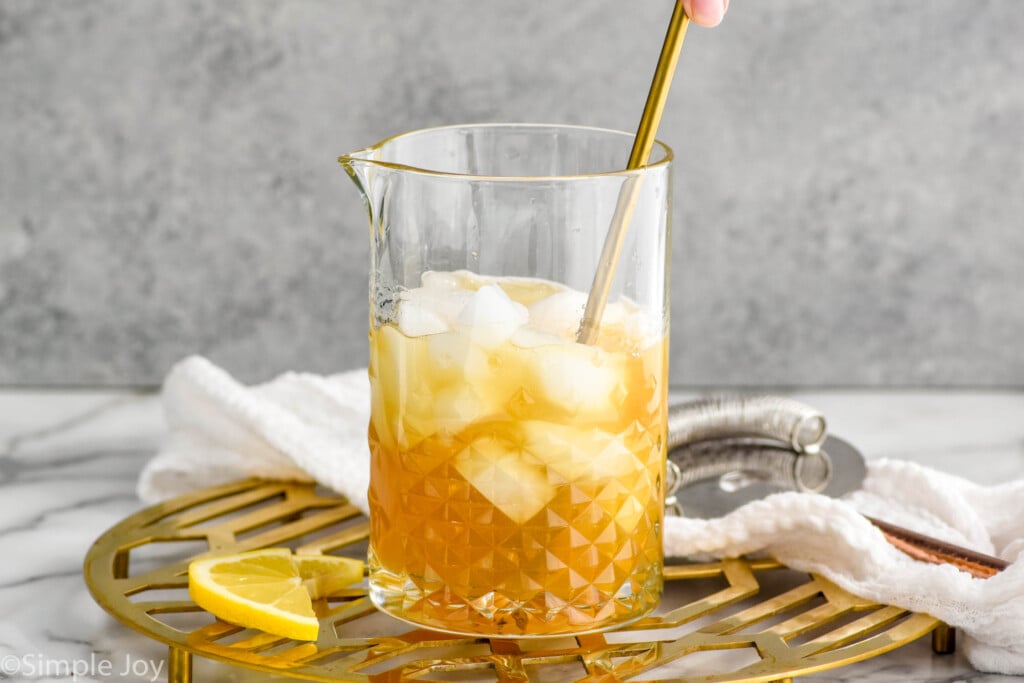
69, 461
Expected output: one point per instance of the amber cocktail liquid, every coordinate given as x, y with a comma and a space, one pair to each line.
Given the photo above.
516, 474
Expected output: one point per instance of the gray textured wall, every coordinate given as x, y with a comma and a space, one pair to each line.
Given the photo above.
849, 198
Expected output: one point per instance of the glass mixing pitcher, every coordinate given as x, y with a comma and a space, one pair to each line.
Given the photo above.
517, 475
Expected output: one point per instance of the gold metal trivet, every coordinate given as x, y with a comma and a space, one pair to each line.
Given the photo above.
773, 622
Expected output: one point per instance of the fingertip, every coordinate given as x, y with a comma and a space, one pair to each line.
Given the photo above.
707, 13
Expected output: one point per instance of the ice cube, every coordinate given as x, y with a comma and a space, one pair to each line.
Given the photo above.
506, 475
490, 317
380, 416
473, 281
530, 338
492, 375
616, 313
644, 326
559, 314
417, 320
454, 279
583, 381
611, 457
401, 391
457, 407
454, 357
639, 325
440, 279
442, 304
580, 453
595, 461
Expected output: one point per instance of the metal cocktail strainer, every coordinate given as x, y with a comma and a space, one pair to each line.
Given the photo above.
725, 452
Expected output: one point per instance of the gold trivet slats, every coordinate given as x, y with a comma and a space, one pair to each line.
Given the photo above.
783, 623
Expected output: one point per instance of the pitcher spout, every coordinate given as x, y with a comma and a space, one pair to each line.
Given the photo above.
359, 166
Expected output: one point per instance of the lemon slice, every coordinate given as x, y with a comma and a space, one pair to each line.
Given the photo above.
271, 589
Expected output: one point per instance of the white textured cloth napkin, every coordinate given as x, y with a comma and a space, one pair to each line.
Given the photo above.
309, 427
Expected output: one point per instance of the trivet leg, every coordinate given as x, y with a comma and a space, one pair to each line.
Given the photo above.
944, 640
179, 666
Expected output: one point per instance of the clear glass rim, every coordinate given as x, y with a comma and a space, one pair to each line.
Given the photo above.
362, 155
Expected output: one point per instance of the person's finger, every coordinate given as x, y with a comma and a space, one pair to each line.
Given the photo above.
706, 12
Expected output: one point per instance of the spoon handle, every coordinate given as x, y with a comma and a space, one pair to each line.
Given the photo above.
928, 549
